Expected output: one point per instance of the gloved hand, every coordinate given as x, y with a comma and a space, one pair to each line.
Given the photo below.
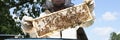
27, 21
26, 24
91, 4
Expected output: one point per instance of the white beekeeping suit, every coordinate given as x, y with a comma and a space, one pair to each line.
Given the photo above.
67, 33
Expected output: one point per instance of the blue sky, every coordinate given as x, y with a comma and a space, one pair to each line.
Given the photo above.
107, 19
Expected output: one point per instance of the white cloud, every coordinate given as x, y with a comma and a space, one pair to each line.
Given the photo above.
109, 16
102, 31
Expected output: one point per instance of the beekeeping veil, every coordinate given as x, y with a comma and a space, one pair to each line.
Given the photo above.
48, 4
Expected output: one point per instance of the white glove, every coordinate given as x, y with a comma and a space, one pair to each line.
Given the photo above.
91, 4
27, 20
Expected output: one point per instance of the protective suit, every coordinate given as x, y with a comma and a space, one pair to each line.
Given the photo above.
27, 26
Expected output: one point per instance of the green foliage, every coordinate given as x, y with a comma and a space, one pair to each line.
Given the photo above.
7, 24
10, 21
115, 36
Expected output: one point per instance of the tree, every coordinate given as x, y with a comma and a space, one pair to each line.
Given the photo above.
7, 24
10, 21
115, 36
